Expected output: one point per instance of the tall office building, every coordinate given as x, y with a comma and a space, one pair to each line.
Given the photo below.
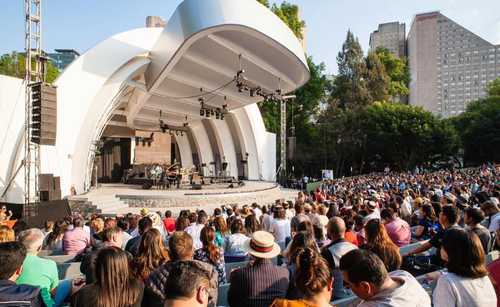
449, 65
392, 36
63, 57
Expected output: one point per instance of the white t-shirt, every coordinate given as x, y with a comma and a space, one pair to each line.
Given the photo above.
280, 229
454, 290
409, 294
194, 230
495, 222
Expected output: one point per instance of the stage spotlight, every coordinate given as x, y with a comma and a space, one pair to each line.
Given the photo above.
163, 130
212, 113
182, 133
202, 112
252, 92
217, 115
136, 141
222, 116
176, 132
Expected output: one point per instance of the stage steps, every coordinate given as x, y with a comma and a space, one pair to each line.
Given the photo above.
106, 203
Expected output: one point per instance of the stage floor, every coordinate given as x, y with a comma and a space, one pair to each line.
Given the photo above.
121, 198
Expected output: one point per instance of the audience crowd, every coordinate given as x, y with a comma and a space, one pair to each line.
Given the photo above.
392, 239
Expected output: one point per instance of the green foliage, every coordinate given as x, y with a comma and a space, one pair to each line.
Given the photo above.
14, 65
350, 89
479, 128
494, 87
398, 71
289, 13
376, 78
264, 2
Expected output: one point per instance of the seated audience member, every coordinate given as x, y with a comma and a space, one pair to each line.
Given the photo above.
133, 228
379, 242
493, 212
300, 241
334, 251
428, 225
221, 231
97, 227
398, 229
235, 243
6, 234
365, 274
169, 222
111, 237
473, 218
494, 271
194, 229
210, 253
448, 218
313, 278
54, 240
261, 282
181, 249
466, 283
12, 255
113, 285
41, 272
48, 227
152, 253
132, 246
76, 240
187, 285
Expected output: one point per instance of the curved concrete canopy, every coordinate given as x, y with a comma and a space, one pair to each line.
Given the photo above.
129, 78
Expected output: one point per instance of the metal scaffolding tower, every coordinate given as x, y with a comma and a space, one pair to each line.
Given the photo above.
282, 167
34, 74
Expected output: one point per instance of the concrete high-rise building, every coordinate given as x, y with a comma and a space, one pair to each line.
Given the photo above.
61, 58
392, 36
155, 22
449, 65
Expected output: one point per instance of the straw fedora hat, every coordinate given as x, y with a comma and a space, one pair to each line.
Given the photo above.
262, 245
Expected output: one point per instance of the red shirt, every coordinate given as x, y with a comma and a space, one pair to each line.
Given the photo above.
494, 270
351, 237
169, 223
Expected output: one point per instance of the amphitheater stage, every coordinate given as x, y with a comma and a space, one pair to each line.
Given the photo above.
122, 199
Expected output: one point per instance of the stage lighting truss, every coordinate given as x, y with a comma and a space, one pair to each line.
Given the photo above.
245, 86
209, 111
165, 128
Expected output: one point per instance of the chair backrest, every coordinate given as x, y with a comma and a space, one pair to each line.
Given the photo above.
49, 252
410, 247
492, 256
234, 266
222, 295
69, 270
346, 302
59, 258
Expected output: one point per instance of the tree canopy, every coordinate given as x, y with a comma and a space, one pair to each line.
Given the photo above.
398, 71
494, 87
14, 65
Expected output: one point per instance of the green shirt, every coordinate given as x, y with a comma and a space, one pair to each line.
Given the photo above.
41, 273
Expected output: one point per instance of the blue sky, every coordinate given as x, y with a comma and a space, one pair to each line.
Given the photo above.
80, 24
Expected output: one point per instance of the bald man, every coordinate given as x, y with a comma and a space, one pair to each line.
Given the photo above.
334, 251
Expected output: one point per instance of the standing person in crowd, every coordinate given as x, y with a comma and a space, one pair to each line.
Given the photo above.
365, 274
210, 253
133, 225
397, 229
494, 271
151, 254
261, 282
334, 251
114, 285
187, 285
448, 219
427, 224
194, 229
299, 217
373, 211
473, 218
235, 243
169, 222
313, 278
41, 272
267, 218
6, 234
181, 223
221, 231
466, 283
379, 243
280, 228
144, 225
181, 249
12, 255
76, 240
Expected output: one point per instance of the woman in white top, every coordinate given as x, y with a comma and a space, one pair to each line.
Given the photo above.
466, 283
235, 243
280, 228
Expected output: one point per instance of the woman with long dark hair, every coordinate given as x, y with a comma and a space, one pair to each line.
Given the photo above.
379, 242
428, 225
210, 253
151, 254
466, 283
251, 225
114, 286
54, 239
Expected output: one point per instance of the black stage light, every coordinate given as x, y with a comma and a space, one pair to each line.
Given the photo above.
202, 112
222, 116
217, 115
